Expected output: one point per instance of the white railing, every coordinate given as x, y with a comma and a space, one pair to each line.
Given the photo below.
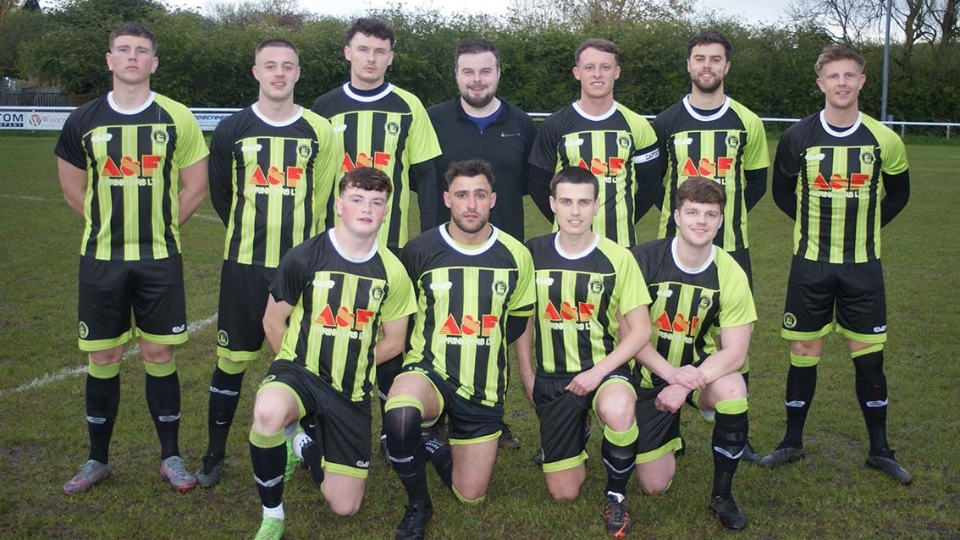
52, 118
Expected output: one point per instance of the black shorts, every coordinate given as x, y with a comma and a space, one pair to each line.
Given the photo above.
468, 422
659, 431
562, 415
244, 290
854, 290
109, 290
344, 424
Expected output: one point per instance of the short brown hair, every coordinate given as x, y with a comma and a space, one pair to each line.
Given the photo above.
709, 37
835, 53
373, 28
475, 46
134, 29
469, 168
602, 45
367, 179
701, 190
275, 42
574, 175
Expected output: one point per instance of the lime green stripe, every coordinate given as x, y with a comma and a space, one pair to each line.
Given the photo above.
403, 401
732, 406
464, 500
803, 361
877, 347
622, 438
266, 441
565, 464
231, 368
161, 370
106, 371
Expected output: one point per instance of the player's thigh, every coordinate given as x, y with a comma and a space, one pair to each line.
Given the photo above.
345, 426
565, 484
414, 383
344, 493
103, 304
159, 303
561, 414
862, 303
656, 475
811, 296
615, 400
244, 290
473, 463
659, 438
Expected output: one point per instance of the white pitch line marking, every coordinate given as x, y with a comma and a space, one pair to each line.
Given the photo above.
47, 199
67, 373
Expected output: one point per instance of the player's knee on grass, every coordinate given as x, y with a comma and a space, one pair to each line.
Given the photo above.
565, 485
344, 500
655, 477
471, 496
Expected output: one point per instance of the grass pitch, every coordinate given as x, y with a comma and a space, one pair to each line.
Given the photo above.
829, 495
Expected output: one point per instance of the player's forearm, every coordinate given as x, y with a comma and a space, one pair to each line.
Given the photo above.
524, 349
897, 189
194, 180
655, 362
189, 201
73, 182
755, 188
784, 194
722, 363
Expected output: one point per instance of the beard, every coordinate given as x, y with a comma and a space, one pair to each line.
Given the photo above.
708, 88
479, 102
468, 227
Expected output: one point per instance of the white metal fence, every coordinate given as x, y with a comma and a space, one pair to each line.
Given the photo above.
52, 118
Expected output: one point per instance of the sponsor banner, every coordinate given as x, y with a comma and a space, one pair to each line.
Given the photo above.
39, 120
53, 120
208, 120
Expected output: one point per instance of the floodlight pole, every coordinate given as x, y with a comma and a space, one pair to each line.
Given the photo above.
886, 66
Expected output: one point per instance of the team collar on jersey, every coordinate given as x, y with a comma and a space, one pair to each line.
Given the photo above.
358, 260
692, 111
849, 131
604, 116
470, 250
575, 256
352, 94
706, 264
282, 123
118, 109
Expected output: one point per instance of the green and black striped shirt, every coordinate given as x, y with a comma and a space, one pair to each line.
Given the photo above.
339, 305
578, 298
270, 183
133, 161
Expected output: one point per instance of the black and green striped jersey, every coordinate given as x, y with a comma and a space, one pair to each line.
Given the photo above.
609, 146
578, 298
839, 177
722, 146
691, 305
133, 160
389, 131
270, 182
465, 295
339, 305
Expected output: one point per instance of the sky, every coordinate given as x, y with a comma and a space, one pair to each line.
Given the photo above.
754, 11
